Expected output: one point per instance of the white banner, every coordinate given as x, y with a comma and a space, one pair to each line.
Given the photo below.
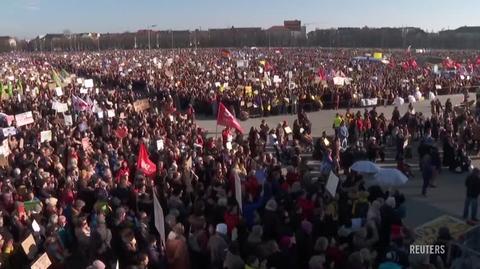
369, 101
9, 131
88, 83
24, 118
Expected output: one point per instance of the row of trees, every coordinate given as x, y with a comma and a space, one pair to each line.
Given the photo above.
462, 38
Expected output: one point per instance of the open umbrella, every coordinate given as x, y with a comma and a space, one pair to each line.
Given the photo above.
365, 167
389, 177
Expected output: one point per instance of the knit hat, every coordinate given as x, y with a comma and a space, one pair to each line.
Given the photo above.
221, 228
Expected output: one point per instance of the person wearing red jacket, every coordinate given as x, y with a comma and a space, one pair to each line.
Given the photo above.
124, 171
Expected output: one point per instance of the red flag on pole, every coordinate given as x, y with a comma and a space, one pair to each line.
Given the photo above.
226, 118
144, 164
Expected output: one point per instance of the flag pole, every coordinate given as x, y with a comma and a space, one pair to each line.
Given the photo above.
216, 123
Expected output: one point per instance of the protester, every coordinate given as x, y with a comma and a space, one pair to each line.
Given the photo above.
98, 160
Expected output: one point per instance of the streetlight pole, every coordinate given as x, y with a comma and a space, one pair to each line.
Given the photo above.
149, 31
171, 31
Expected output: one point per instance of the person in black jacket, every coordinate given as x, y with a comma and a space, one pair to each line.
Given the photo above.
472, 184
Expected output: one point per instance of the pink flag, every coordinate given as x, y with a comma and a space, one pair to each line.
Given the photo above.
226, 118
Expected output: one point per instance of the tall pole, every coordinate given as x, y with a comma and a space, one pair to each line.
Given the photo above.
172, 39
149, 30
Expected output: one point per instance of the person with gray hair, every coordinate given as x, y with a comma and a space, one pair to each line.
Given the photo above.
217, 246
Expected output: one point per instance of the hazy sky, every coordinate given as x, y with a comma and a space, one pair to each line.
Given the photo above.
29, 18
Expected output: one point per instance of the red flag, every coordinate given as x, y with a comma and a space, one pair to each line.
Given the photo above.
413, 64
321, 74
268, 66
225, 118
448, 64
144, 164
477, 62
225, 53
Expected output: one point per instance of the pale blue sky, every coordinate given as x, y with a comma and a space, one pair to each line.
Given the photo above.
29, 18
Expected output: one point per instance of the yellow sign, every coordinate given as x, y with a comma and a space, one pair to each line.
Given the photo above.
378, 55
248, 90
428, 232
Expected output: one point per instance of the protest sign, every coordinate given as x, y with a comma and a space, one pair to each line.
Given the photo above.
46, 136
5, 148
68, 120
242, 63
24, 118
31, 205
332, 184
61, 107
83, 90
87, 147
58, 91
111, 113
42, 263
29, 246
88, 83
9, 131
141, 105
160, 145
288, 130
35, 226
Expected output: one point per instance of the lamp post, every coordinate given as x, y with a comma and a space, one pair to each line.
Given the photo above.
150, 30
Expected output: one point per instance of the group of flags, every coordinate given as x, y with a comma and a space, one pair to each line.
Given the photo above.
410, 64
8, 88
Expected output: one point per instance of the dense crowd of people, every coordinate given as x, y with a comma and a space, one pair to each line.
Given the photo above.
262, 82
80, 194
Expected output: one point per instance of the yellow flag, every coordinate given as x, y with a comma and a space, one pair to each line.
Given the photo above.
377, 55
262, 62
248, 90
